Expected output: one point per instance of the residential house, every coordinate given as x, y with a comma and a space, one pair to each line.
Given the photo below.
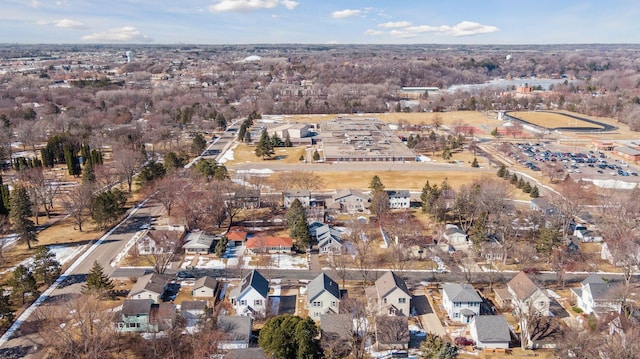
461, 301
492, 250
236, 332
250, 298
586, 235
135, 316
246, 197
542, 205
490, 332
323, 296
455, 236
597, 296
269, 244
205, 287
337, 329
236, 236
151, 286
351, 201
390, 295
391, 333
302, 195
399, 199
160, 239
193, 311
198, 242
328, 238
253, 353
526, 297
143, 315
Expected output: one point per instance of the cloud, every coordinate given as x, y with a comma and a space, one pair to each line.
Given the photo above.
402, 34
392, 24
374, 32
71, 24
250, 5
127, 34
343, 14
464, 28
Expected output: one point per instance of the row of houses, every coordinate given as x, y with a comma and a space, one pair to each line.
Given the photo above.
348, 200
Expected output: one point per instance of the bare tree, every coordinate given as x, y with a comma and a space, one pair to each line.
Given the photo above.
128, 162
77, 202
167, 190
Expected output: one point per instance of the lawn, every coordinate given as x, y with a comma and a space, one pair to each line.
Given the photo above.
447, 118
244, 153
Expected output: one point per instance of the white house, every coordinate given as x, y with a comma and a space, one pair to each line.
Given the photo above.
151, 286
399, 199
455, 236
323, 296
205, 287
526, 297
586, 235
329, 239
596, 295
160, 239
251, 297
490, 332
198, 242
389, 296
302, 195
461, 301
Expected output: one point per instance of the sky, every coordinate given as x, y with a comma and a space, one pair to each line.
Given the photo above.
320, 21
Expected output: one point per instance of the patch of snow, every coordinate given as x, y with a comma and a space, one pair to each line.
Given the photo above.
256, 171
228, 155
63, 255
215, 263
303, 290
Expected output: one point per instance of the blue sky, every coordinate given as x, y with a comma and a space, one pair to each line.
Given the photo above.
320, 21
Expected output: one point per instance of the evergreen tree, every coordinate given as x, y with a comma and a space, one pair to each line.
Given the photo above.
150, 172
287, 140
495, 132
45, 266
526, 188
534, 192
71, 159
22, 283
264, 147
221, 122
289, 337
305, 338
7, 313
520, 183
514, 179
276, 141
88, 175
502, 171
316, 155
4, 198
297, 223
108, 206
247, 137
242, 132
221, 246
198, 144
475, 163
173, 161
20, 211
436, 348
376, 184
97, 283
446, 154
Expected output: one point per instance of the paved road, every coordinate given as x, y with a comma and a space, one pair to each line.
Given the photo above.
70, 283
364, 166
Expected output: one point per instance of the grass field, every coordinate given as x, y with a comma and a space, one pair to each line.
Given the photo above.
244, 153
552, 119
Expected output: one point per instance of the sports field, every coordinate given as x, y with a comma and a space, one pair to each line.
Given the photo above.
414, 118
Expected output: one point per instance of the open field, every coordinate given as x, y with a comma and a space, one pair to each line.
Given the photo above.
244, 153
412, 180
552, 119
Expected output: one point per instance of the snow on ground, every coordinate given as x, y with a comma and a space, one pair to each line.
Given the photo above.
215, 263
8, 240
63, 255
256, 171
187, 262
287, 261
303, 290
228, 155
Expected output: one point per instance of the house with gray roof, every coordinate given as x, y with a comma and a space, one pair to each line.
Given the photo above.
328, 238
351, 201
461, 301
323, 296
251, 296
399, 199
455, 236
198, 242
205, 287
597, 296
490, 332
143, 315
390, 295
302, 195
151, 286
236, 331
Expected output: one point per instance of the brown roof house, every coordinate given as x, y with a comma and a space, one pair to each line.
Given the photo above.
392, 333
390, 295
524, 296
351, 201
160, 239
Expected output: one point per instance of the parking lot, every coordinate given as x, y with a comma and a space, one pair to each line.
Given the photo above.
578, 162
